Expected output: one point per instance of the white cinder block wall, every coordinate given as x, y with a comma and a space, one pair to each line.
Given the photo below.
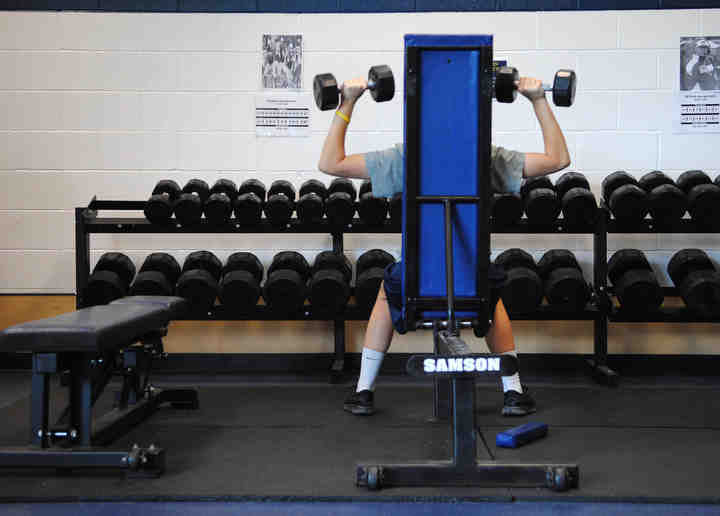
107, 104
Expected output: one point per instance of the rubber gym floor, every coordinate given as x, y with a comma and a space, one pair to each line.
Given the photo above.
285, 446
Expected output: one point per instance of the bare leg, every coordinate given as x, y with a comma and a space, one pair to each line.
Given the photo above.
500, 337
378, 335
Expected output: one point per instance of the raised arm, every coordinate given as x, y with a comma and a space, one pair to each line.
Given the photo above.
333, 159
556, 156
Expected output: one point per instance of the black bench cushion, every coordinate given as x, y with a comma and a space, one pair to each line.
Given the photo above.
176, 306
96, 329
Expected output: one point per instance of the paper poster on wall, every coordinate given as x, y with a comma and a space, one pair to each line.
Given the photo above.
282, 115
699, 95
282, 61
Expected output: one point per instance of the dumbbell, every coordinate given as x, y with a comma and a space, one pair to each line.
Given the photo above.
219, 206
563, 88
579, 207
311, 206
340, 204
372, 210
396, 209
634, 282
381, 84
698, 282
198, 282
665, 201
249, 203
285, 288
623, 196
506, 208
329, 287
280, 202
369, 273
563, 280
159, 208
541, 202
523, 291
157, 277
240, 284
189, 205
703, 198
109, 280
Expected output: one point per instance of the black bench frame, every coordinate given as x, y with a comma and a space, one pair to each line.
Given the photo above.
71, 442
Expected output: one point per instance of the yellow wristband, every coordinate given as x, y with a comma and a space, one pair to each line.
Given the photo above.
343, 116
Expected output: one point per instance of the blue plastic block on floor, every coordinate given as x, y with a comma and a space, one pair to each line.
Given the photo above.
521, 435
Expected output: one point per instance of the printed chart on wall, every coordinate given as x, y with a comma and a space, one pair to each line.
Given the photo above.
282, 110
699, 96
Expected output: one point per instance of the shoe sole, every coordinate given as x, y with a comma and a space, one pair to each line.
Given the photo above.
359, 411
517, 411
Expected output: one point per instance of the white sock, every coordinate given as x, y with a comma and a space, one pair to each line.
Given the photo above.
369, 369
512, 383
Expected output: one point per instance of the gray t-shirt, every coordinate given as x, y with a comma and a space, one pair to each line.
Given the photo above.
385, 168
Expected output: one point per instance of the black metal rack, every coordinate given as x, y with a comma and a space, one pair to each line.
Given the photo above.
600, 310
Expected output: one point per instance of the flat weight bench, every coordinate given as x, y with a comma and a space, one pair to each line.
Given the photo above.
446, 257
88, 347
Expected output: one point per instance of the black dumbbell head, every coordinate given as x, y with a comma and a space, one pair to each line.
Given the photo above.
159, 209
340, 209
384, 88
329, 289
218, 209
686, 261
667, 203
342, 184
151, 283
325, 91
626, 260
188, 209
570, 180
281, 186
248, 209
199, 287
198, 187
628, 204
372, 210
332, 260
396, 208
163, 263
167, 187
373, 259
579, 207
313, 186
103, 287
566, 286
701, 292
533, 183
542, 206
118, 263
614, 181
255, 186
370, 271
365, 187
505, 88
244, 261
285, 290
225, 186
653, 179
239, 291
203, 260
311, 206
704, 205
522, 291
555, 259
506, 208
290, 260
638, 290
515, 257
692, 178
564, 86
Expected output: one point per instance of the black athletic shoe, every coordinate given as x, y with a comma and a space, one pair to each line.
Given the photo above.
360, 403
516, 404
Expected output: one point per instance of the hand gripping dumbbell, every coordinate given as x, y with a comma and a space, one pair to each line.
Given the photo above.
694, 275
329, 287
523, 291
666, 202
198, 282
240, 284
634, 282
157, 277
563, 280
159, 208
110, 279
563, 88
285, 289
381, 84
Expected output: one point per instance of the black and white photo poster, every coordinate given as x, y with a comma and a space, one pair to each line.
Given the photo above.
699, 95
282, 60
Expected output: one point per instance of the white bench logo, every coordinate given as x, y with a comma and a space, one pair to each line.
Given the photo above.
461, 365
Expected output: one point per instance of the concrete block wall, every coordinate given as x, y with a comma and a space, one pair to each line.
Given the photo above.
107, 104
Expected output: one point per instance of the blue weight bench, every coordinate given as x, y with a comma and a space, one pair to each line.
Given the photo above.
87, 348
446, 258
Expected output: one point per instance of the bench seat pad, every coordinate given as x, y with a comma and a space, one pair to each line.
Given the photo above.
176, 306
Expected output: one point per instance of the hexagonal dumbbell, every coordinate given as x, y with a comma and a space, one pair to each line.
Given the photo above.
523, 290
634, 281
285, 289
370, 271
329, 287
703, 198
240, 284
579, 206
695, 276
248, 206
110, 279
666, 202
623, 195
157, 277
198, 282
381, 84
563, 280
563, 88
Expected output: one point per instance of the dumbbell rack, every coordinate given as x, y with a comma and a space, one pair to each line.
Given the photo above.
599, 310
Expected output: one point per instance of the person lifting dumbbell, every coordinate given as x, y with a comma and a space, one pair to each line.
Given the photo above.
385, 169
